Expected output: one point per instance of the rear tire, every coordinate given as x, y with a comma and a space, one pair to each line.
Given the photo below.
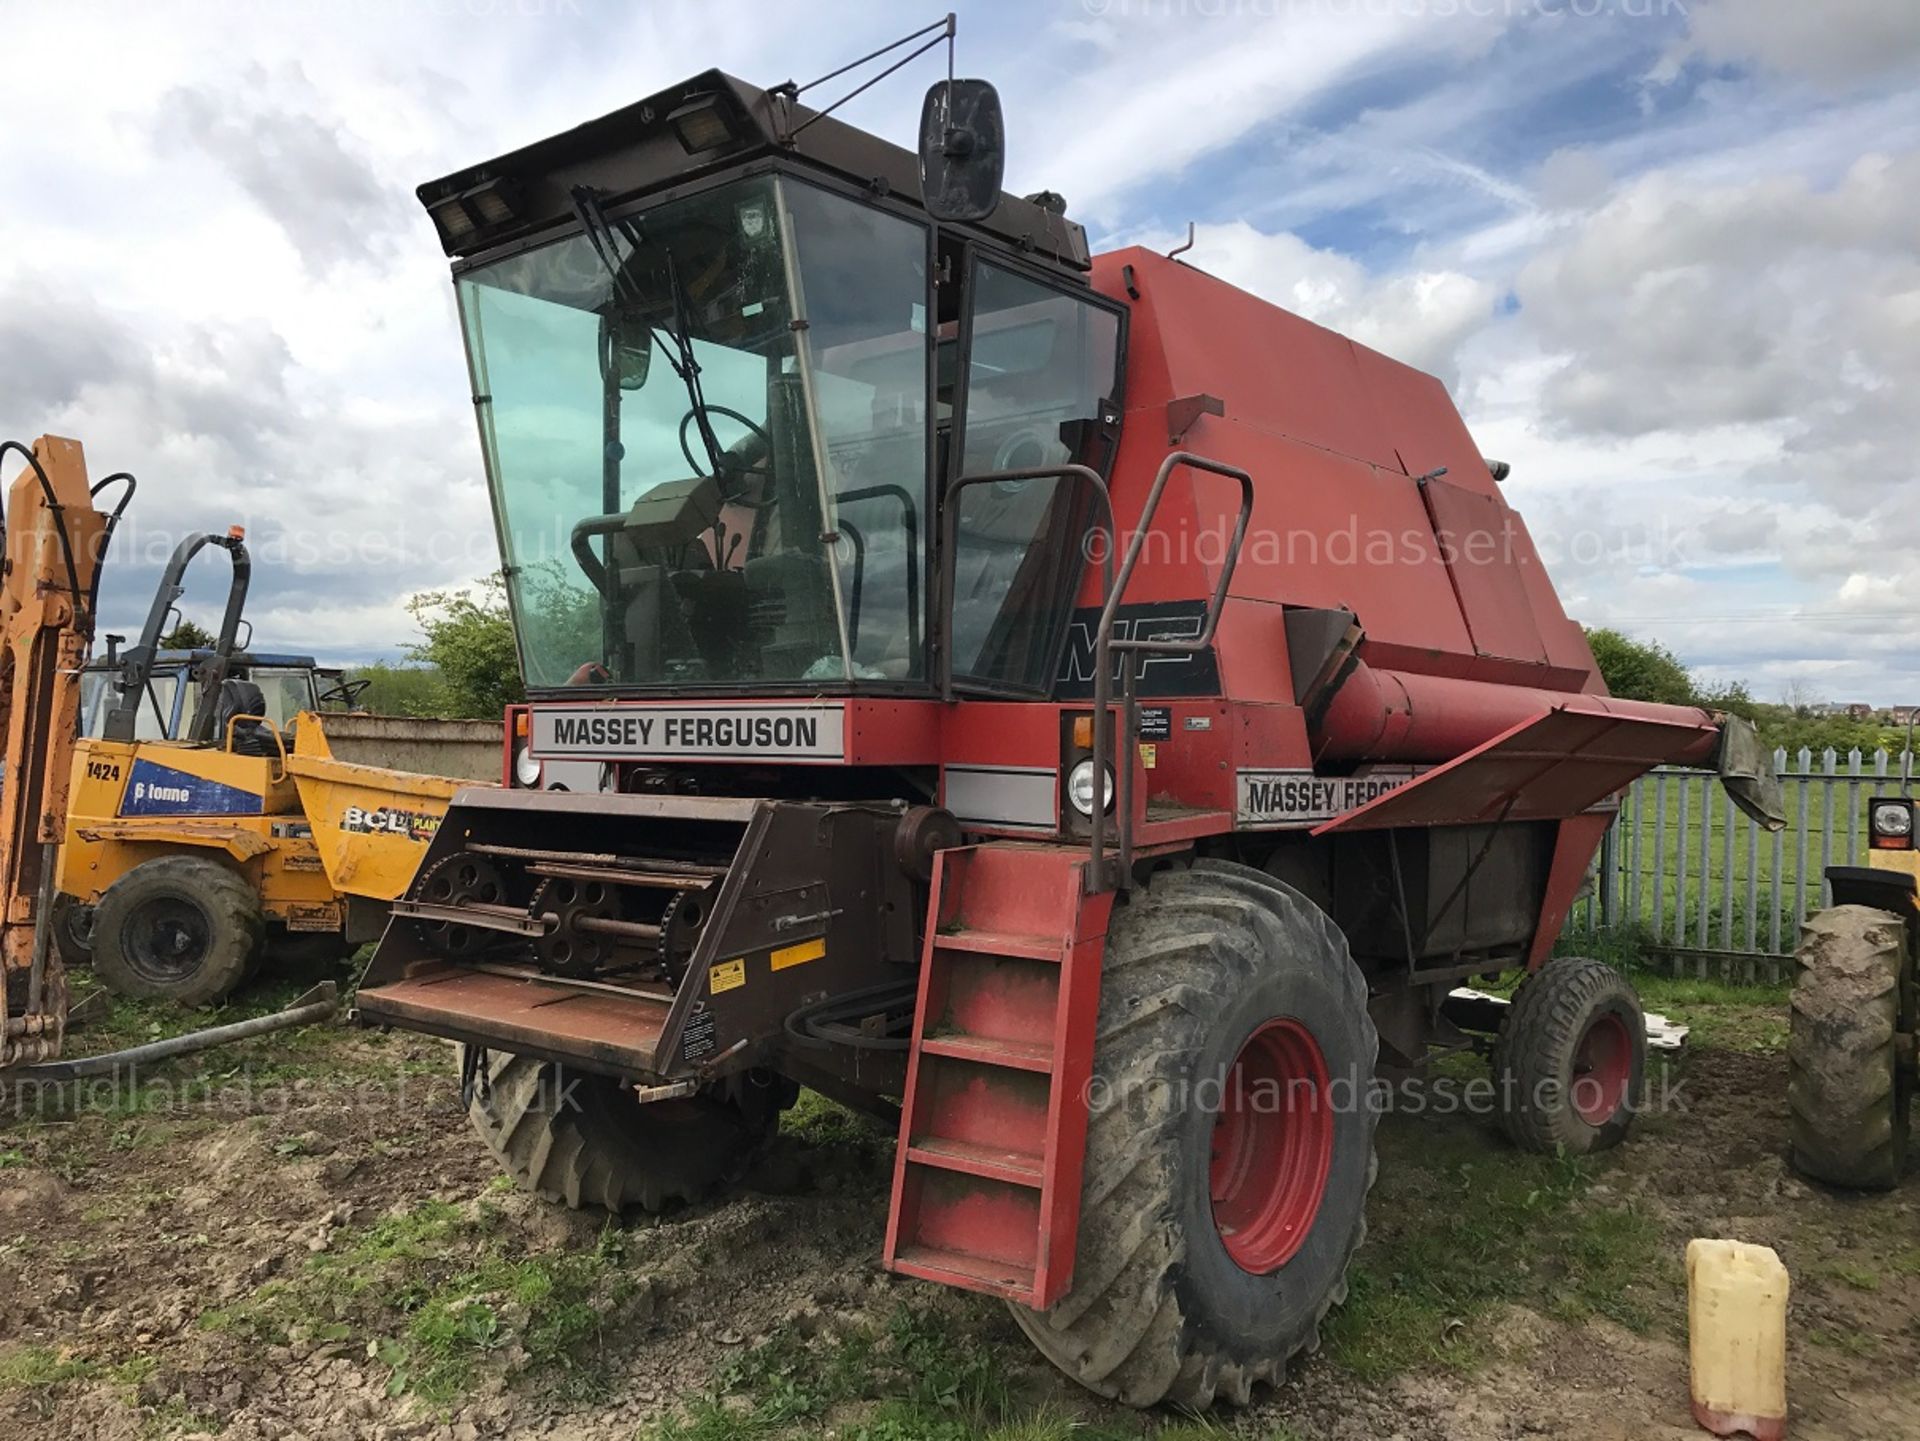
180, 928
72, 921
1849, 1096
1570, 1062
1215, 1237
584, 1140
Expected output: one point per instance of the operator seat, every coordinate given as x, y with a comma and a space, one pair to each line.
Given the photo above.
252, 735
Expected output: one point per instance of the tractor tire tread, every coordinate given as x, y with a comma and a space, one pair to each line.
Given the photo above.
594, 1155
1119, 1330
1546, 1019
232, 905
1847, 1107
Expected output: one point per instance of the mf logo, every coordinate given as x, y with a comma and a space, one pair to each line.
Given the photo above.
1169, 673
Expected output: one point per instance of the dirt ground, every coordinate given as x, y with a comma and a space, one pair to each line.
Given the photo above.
300, 1237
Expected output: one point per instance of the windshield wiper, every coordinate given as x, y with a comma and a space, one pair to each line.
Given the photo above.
600, 232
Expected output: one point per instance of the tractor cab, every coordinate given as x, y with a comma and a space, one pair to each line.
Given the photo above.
288, 685
724, 362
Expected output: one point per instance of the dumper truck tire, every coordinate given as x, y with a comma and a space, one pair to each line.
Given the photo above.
1230, 1144
1848, 1095
180, 928
1570, 1061
71, 920
586, 1141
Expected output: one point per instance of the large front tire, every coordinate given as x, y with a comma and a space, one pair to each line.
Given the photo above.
585, 1141
1848, 1094
180, 928
1230, 1148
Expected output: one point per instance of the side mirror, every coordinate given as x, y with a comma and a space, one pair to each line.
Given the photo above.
963, 150
626, 350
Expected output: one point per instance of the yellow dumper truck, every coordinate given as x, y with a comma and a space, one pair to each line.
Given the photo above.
197, 860
200, 850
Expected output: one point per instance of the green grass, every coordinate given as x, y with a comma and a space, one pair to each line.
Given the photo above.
925, 1372
433, 1291
27, 1368
32, 1368
1461, 1230
1859, 1277
921, 1375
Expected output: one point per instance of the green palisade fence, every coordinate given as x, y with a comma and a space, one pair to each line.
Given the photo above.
1690, 881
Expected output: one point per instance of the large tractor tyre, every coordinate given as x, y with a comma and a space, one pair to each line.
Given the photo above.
1848, 1094
1570, 1062
1230, 1148
585, 1140
71, 921
181, 929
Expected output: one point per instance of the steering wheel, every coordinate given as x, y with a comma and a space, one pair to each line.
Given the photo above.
346, 692
754, 429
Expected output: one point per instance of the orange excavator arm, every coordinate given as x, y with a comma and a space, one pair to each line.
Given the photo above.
55, 541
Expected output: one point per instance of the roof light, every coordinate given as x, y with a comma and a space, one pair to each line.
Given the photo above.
490, 205
702, 124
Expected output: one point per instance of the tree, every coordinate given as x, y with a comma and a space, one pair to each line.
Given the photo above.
187, 636
467, 636
1640, 670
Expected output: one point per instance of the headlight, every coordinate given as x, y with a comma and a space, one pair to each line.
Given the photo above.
1892, 818
1080, 784
526, 769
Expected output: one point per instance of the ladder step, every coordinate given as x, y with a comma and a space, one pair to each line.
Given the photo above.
988, 1051
1000, 943
1017, 1168
975, 1273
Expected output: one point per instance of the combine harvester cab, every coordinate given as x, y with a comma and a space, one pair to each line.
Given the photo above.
964, 679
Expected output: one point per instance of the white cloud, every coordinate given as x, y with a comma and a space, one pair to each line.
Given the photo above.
1835, 42
212, 269
1418, 316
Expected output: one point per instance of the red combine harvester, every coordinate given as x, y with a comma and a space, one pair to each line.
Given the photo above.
1065, 695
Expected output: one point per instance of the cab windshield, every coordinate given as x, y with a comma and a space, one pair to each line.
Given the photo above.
706, 437
287, 690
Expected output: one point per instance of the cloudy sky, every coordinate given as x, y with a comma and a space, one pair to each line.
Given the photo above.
1666, 252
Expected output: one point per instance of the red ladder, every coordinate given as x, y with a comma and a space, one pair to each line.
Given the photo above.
986, 1185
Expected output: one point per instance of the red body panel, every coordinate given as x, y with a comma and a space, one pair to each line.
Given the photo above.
1443, 578
1553, 766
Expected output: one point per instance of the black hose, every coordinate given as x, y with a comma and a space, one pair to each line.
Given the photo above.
106, 534
829, 1022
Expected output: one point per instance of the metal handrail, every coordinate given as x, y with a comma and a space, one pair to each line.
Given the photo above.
1104, 646
1086, 475
1113, 588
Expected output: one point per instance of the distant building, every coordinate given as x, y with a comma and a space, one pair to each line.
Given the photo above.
1858, 711
1901, 715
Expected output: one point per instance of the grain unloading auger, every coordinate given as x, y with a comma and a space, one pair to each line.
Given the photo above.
1066, 695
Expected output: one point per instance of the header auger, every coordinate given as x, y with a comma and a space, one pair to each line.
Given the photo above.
953, 689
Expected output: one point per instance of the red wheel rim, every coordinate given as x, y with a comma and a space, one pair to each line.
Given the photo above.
1602, 1069
1272, 1147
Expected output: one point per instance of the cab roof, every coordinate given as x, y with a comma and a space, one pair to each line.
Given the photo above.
639, 148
